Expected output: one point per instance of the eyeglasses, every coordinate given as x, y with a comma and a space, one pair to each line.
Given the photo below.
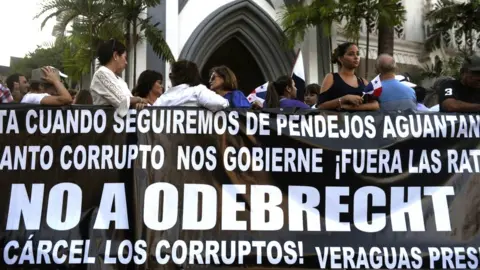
213, 77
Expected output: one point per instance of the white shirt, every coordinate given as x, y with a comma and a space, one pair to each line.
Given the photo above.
184, 95
109, 89
34, 98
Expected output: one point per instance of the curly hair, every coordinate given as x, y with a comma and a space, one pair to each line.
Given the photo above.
340, 51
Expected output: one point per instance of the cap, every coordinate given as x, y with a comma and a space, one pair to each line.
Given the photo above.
37, 75
472, 63
405, 80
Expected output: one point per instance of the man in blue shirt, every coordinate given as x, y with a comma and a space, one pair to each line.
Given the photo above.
395, 96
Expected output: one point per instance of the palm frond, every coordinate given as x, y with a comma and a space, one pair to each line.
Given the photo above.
155, 38
296, 19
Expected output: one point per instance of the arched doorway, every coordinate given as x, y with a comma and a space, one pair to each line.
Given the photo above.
238, 58
244, 37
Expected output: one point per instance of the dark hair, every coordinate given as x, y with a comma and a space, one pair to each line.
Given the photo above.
420, 92
106, 49
229, 78
313, 88
35, 86
83, 97
145, 82
12, 79
276, 89
185, 72
340, 51
72, 92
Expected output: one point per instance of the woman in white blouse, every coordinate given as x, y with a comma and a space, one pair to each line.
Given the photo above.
107, 87
187, 90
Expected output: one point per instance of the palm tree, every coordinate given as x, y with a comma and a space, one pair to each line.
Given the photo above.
86, 15
387, 14
452, 16
131, 14
298, 18
93, 20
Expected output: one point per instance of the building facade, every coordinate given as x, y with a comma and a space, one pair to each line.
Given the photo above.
246, 36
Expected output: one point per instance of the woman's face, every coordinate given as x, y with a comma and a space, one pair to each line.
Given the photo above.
121, 61
157, 88
310, 98
216, 82
292, 90
351, 59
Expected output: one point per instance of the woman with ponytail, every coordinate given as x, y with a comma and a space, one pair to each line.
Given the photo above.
282, 93
344, 90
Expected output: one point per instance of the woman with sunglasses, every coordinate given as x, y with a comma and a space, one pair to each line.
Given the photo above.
224, 82
107, 86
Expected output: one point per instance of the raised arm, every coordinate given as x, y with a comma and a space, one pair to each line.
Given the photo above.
64, 97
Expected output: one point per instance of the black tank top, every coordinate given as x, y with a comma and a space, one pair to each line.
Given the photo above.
340, 88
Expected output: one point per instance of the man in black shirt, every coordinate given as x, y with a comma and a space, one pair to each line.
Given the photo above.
462, 95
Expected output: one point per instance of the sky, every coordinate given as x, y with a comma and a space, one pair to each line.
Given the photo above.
19, 33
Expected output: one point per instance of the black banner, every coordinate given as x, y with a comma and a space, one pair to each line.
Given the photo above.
186, 188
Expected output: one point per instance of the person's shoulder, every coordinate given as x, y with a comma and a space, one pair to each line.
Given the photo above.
103, 72
201, 88
299, 104
449, 84
35, 98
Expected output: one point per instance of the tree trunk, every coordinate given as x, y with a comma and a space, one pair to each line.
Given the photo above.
385, 39
129, 41
367, 54
331, 51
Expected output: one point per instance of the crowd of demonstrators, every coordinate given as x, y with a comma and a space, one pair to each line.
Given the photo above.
342, 90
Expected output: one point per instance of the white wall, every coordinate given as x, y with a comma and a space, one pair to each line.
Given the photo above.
414, 24
195, 11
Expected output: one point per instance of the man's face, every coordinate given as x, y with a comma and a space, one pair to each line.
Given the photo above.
472, 78
23, 84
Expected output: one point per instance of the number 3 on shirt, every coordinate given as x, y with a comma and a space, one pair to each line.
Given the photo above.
448, 91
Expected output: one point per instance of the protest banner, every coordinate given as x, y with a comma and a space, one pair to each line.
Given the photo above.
187, 188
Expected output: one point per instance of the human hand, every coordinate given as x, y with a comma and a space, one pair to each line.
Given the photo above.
257, 105
353, 99
50, 75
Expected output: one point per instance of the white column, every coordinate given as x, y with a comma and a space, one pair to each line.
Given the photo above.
310, 56
141, 54
171, 34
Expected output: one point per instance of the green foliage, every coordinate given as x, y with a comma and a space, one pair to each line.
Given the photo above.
93, 21
298, 18
48, 55
449, 67
448, 16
